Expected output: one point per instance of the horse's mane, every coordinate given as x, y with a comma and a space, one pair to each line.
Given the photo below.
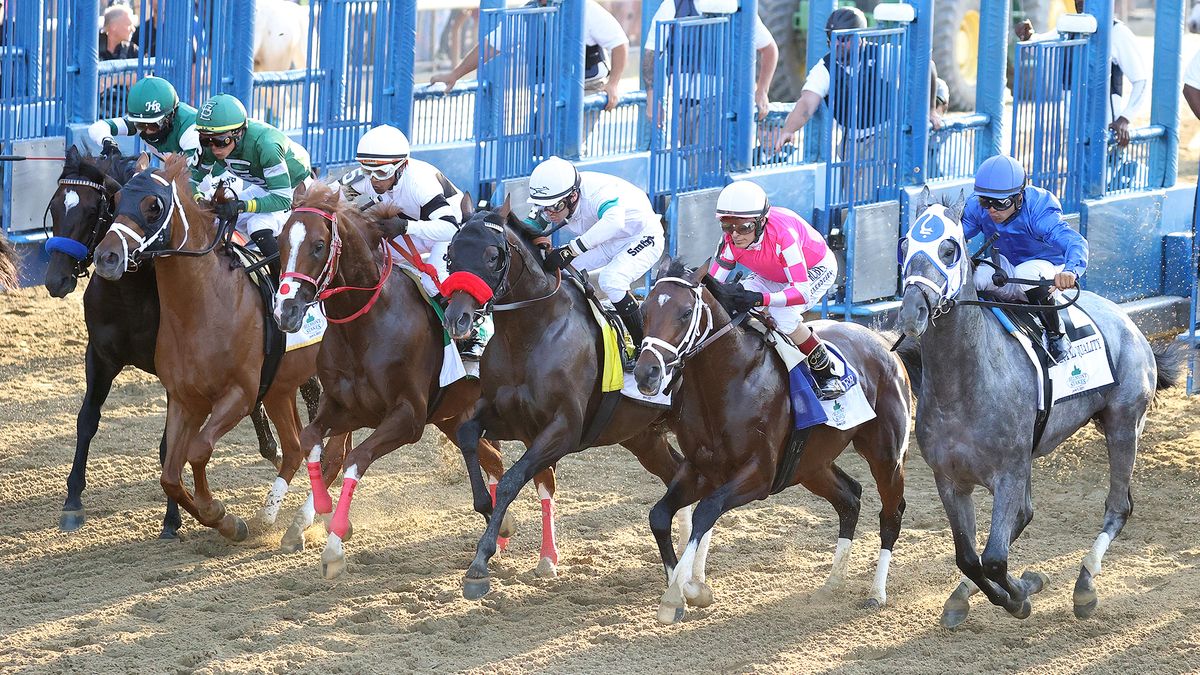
328, 198
96, 169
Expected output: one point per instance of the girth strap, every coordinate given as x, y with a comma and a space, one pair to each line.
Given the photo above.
790, 459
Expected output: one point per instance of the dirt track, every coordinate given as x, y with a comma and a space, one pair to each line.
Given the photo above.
113, 598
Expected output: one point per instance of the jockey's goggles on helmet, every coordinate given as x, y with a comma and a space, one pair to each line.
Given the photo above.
382, 171
216, 140
149, 128
739, 228
993, 204
557, 207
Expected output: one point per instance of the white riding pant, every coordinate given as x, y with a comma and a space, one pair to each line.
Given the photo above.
620, 263
820, 279
432, 252
249, 223
1010, 292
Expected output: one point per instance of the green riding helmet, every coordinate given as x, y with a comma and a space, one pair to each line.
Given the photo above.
220, 114
152, 100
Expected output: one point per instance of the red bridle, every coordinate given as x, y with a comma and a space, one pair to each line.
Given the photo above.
321, 283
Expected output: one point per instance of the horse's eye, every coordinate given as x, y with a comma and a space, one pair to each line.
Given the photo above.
318, 246
948, 251
154, 209
685, 316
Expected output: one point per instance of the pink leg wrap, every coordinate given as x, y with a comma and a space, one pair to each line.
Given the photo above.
549, 548
341, 517
501, 542
322, 502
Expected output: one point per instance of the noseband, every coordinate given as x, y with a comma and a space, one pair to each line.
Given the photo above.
699, 335
81, 251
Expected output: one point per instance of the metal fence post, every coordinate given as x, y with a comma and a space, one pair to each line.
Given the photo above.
83, 81
990, 75
396, 106
914, 153
742, 76
568, 99
1164, 105
1095, 112
241, 54
818, 46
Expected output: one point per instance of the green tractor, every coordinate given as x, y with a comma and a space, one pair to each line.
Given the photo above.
955, 40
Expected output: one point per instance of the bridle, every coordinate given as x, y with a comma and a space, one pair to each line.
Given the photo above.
161, 236
81, 251
330, 269
505, 287
700, 333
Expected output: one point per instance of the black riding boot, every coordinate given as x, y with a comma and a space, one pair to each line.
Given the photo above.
829, 386
627, 309
1058, 346
268, 246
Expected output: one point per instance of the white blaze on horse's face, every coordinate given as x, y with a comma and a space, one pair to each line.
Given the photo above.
287, 291
70, 200
926, 242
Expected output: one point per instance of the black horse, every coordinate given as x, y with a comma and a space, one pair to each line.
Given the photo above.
121, 316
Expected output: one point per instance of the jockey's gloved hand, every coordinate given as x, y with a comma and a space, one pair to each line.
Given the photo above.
390, 228
736, 299
109, 148
229, 210
558, 259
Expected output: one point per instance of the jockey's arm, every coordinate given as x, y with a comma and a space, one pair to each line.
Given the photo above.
723, 263
437, 220
796, 271
273, 161
205, 168
611, 226
102, 129
1052, 229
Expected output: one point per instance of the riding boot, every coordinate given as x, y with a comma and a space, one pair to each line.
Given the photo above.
627, 309
1058, 347
268, 246
829, 385
472, 347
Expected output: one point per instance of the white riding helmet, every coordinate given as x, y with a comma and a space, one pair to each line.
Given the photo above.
552, 181
382, 150
742, 199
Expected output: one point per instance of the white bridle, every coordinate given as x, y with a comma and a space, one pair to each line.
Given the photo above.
126, 234
700, 326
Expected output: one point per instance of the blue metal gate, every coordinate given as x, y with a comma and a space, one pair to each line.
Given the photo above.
1048, 130
518, 86
34, 46
689, 145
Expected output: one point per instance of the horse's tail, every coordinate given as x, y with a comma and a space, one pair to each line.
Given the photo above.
909, 351
8, 265
1170, 357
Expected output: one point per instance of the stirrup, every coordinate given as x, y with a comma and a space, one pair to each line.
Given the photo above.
1057, 347
829, 387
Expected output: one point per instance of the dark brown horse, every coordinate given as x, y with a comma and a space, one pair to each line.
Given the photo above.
732, 418
540, 373
121, 316
380, 360
209, 351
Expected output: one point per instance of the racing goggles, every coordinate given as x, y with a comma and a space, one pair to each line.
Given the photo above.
993, 204
216, 140
739, 228
382, 171
557, 207
148, 128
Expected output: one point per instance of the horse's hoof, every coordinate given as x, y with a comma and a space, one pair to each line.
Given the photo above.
69, 521
1023, 610
954, 612
267, 516
698, 594
874, 604
546, 569
292, 541
474, 589
671, 607
1035, 582
233, 528
1084, 597
332, 566
507, 527
169, 534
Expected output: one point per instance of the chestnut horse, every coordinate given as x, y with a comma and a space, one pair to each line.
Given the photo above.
121, 316
541, 374
380, 360
209, 352
733, 419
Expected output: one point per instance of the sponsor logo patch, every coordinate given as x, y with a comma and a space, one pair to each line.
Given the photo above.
642, 244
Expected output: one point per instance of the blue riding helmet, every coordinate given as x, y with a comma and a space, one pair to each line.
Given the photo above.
999, 177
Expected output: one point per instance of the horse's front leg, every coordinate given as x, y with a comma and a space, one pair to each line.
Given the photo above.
553, 443
1012, 509
960, 510
467, 439
100, 374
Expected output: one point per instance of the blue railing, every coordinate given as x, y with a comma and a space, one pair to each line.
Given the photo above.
441, 116
952, 148
115, 78
1128, 169
1048, 115
616, 131
286, 99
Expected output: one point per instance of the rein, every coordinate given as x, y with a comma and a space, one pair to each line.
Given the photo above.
696, 339
329, 271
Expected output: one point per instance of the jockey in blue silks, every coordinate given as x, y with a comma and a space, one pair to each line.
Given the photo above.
1034, 241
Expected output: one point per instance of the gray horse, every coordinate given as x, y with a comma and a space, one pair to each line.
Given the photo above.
977, 400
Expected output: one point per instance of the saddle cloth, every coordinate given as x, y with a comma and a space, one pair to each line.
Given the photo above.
453, 366
1088, 367
845, 412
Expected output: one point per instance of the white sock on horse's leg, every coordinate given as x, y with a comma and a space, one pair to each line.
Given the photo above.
274, 500
684, 518
879, 588
1094, 559
701, 557
841, 561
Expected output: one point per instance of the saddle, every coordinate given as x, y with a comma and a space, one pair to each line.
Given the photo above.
274, 343
627, 351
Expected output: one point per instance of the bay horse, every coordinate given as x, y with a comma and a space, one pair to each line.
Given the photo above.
121, 316
977, 402
732, 418
540, 375
209, 349
380, 360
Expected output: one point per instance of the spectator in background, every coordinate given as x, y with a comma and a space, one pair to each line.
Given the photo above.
1191, 85
115, 36
149, 26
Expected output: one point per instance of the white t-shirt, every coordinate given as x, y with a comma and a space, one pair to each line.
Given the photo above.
599, 28
1191, 75
666, 12
1123, 51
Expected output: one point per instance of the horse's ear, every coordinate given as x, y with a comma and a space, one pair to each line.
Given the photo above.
73, 155
698, 274
468, 206
956, 209
923, 200
142, 162
506, 208
660, 270
300, 191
